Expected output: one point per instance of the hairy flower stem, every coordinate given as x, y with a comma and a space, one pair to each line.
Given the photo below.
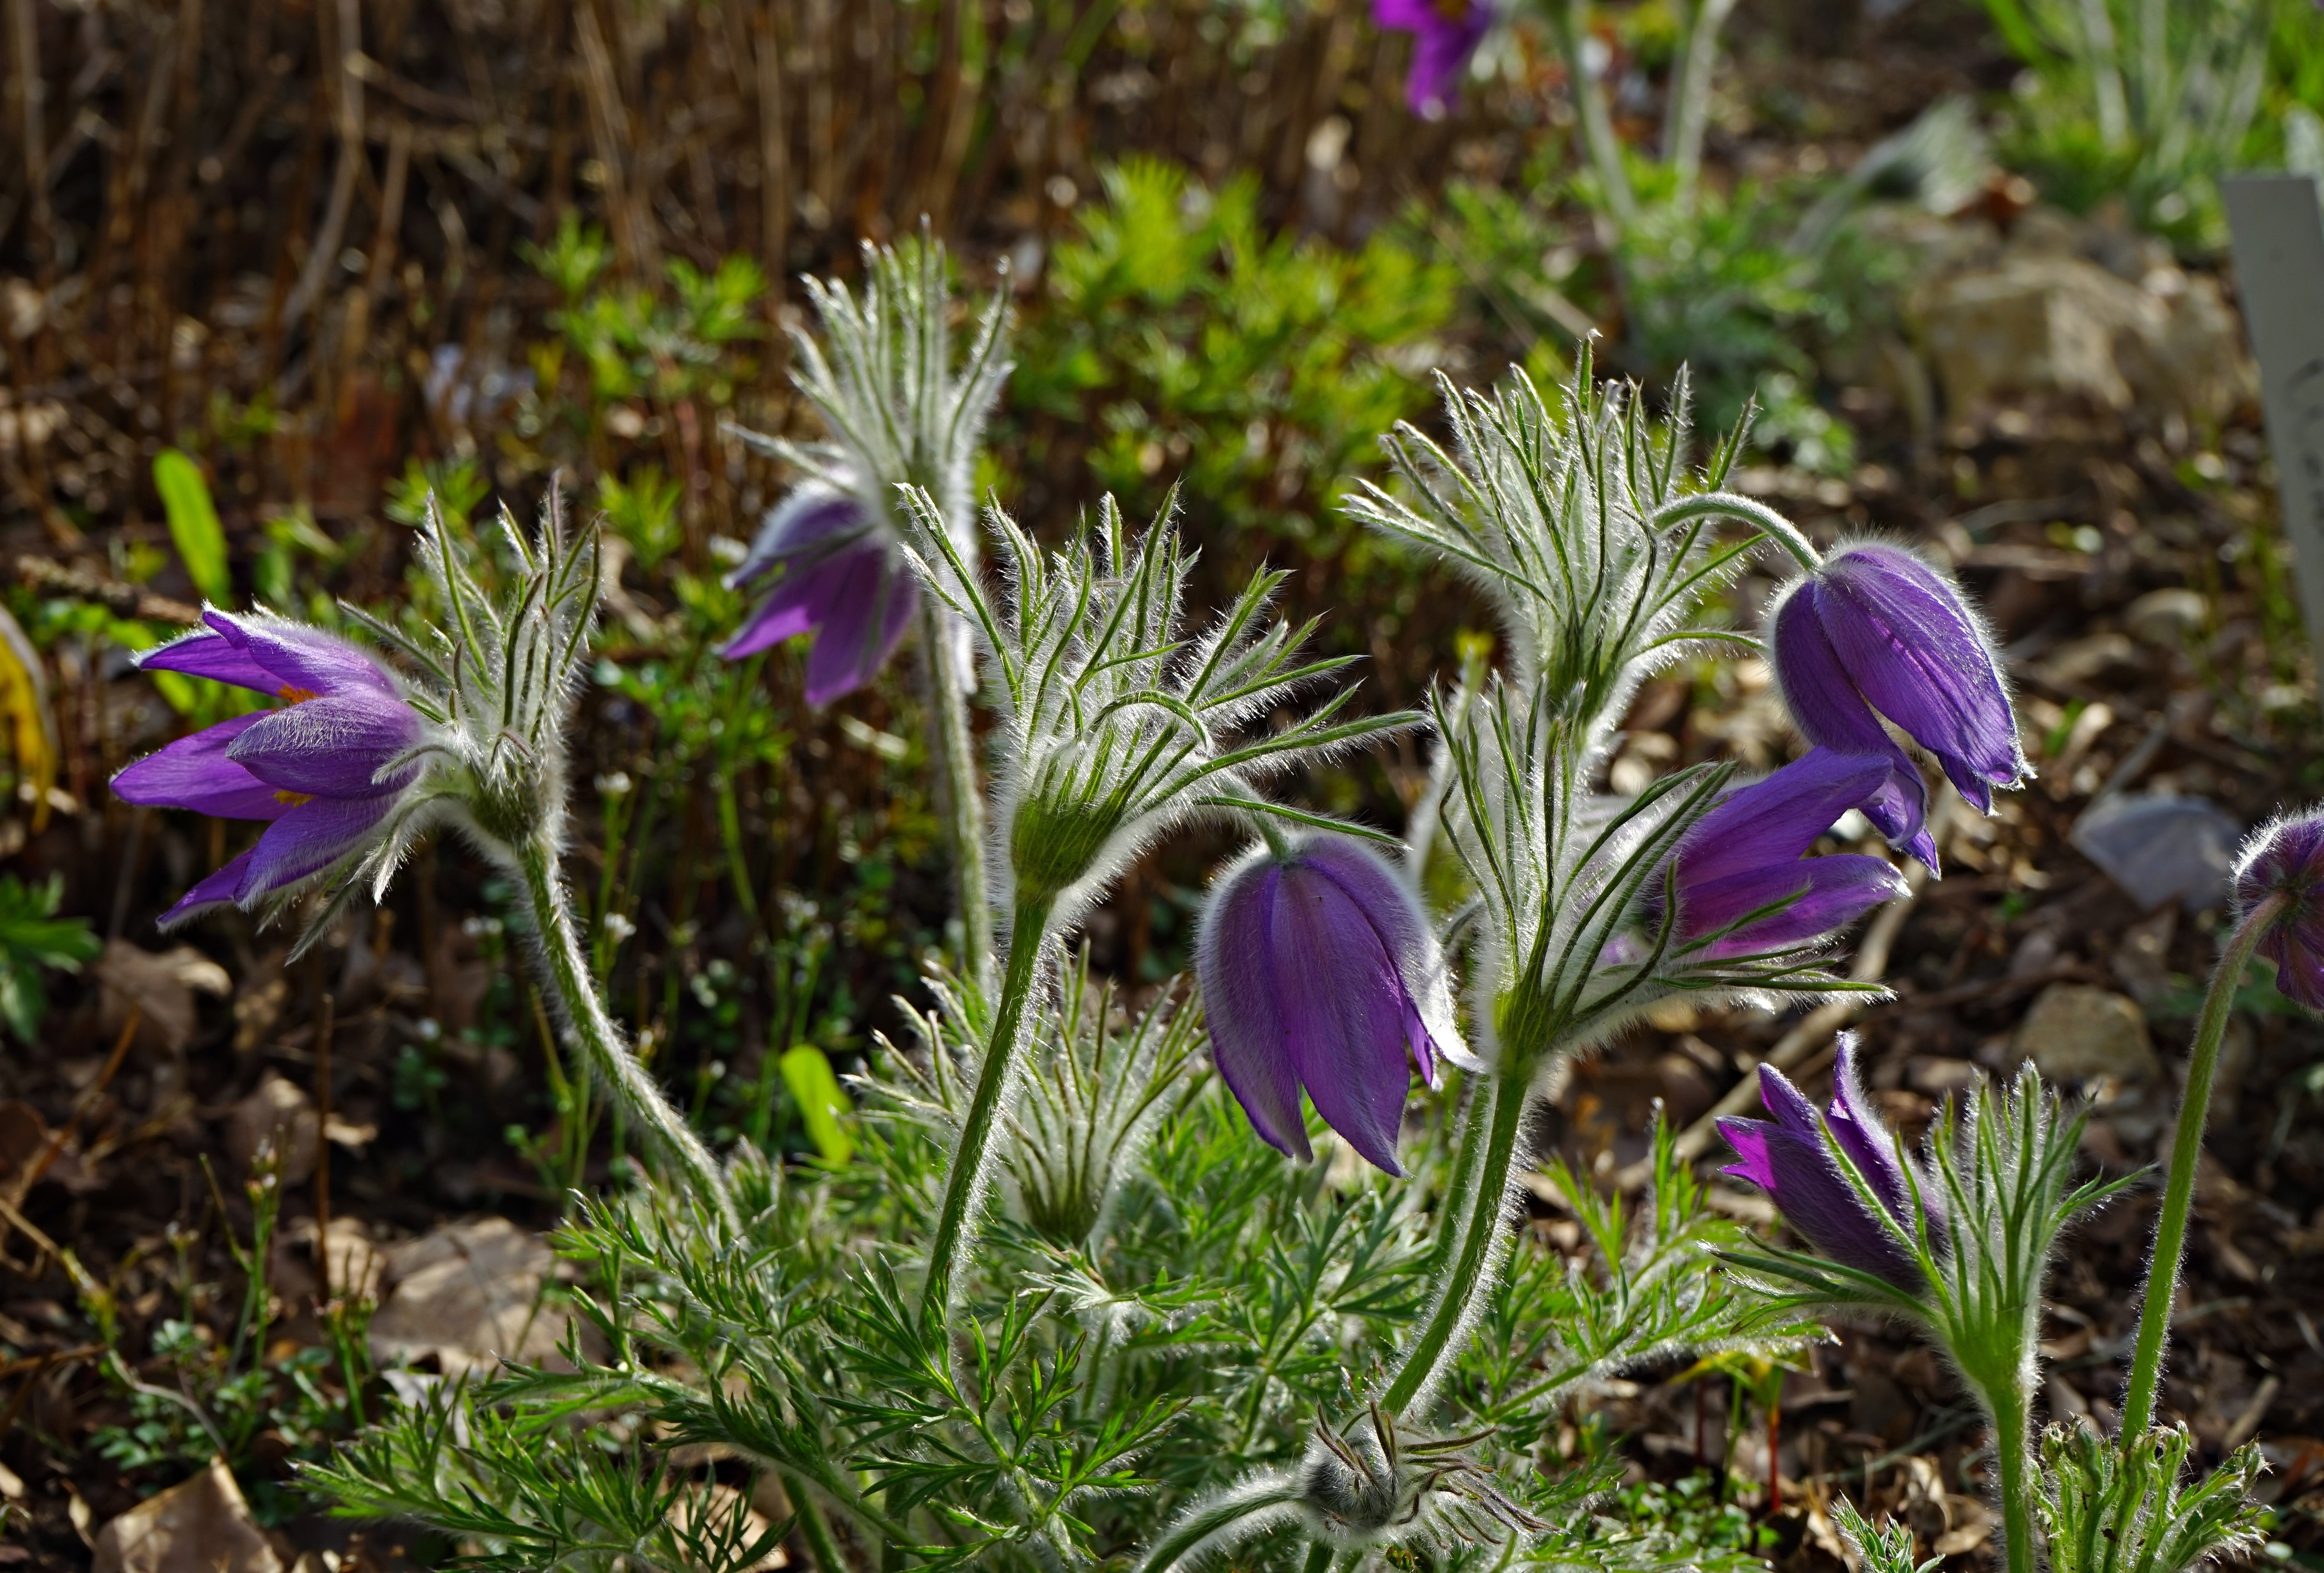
973, 1160
1467, 1272
1221, 1511
2012, 1425
953, 741
813, 1527
2186, 1148
1735, 505
564, 978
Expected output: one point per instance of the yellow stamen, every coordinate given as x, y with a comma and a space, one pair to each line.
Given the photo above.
295, 695
294, 798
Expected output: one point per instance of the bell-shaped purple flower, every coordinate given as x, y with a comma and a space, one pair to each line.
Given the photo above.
1445, 34
1788, 1159
1745, 864
842, 578
318, 768
1876, 632
2286, 860
1320, 971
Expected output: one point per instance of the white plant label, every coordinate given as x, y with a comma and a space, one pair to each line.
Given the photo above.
2277, 222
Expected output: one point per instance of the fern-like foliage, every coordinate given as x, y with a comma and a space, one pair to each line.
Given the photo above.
2113, 1506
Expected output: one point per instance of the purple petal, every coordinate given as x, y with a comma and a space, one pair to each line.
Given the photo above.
1776, 819
802, 529
208, 653
331, 747
307, 840
1861, 1133
1446, 33
1832, 713
867, 607
302, 661
218, 890
1343, 1012
1918, 654
1815, 1195
1389, 901
195, 773
1233, 968
1829, 893
1748, 1138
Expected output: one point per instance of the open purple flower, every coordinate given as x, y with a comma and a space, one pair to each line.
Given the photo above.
318, 768
842, 578
1877, 629
1319, 972
1747, 856
1788, 1159
2286, 858
1445, 34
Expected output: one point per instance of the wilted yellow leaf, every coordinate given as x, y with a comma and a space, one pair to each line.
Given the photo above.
32, 727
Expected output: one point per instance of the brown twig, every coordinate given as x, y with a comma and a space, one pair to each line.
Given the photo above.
326, 1017
126, 600
23, 1185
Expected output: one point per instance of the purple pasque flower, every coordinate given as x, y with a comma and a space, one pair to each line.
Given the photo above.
1788, 1158
318, 768
1876, 632
1445, 34
2285, 860
1747, 856
842, 579
1319, 972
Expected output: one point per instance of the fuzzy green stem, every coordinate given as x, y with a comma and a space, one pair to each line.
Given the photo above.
1465, 1274
1751, 511
972, 1160
566, 980
2178, 1189
1221, 1512
813, 1527
953, 741
2011, 1446
1571, 22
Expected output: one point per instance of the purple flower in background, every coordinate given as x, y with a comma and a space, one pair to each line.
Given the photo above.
1877, 629
1319, 972
313, 768
2286, 858
1788, 1159
841, 578
1748, 854
1445, 34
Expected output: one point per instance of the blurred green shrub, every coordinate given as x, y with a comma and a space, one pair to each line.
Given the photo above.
2148, 101
1178, 342
34, 940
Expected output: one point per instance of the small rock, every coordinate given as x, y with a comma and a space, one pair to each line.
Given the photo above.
281, 1115
201, 1526
1940, 1077
2160, 847
2040, 323
2076, 1033
2168, 617
469, 1294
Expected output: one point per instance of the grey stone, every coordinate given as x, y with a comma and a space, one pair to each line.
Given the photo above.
2076, 1033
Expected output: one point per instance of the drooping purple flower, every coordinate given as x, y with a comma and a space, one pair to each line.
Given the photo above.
1319, 972
1445, 34
2286, 860
1788, 1159
1749, 855
1877, 629
842, 578
317, 768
